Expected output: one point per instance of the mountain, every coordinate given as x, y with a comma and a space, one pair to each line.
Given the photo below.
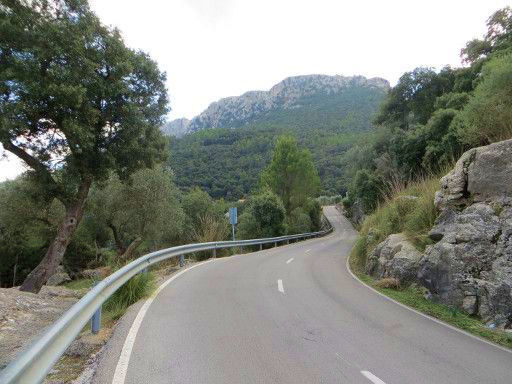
292, 92
177, 128
226, 146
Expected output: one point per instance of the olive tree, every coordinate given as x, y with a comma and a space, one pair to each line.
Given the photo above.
76, 105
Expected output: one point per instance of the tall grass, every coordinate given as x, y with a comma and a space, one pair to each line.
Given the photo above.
408, 209
140, 286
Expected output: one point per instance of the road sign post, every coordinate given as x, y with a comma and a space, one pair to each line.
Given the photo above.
233, 219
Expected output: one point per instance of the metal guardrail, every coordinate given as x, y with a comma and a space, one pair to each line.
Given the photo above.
33, 364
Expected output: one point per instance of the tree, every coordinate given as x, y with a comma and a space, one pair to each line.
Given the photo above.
368, 187
264, 217
143, 209
291, 174
75, 105
487, 117
498, 37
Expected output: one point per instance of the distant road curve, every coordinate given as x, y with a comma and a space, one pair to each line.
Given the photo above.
291, 314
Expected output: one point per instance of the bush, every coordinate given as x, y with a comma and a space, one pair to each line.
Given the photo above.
139, 286
264, 217
388, 282
488, 114
409, 210
299, 222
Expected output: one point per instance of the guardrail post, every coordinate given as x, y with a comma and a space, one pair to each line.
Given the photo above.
96, 318
182, 261
96, 321
214, 253
261, 246
275, 243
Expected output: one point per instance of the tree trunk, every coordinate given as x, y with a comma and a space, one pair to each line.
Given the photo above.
55, 253
127, 255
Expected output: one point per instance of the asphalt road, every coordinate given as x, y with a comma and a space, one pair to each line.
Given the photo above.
292, 314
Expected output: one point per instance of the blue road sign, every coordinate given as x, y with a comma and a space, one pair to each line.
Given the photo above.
233, 216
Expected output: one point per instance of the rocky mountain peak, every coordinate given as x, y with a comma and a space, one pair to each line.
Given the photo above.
236, 111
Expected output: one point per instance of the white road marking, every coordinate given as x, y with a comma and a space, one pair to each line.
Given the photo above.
280, 286
370, 376
307, 250
124, 358
289, 261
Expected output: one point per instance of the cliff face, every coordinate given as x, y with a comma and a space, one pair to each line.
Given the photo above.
470, 264
290, 93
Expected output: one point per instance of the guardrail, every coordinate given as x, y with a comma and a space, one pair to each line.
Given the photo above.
33, 364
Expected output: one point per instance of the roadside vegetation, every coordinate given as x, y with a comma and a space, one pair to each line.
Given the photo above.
424, 124
409, 209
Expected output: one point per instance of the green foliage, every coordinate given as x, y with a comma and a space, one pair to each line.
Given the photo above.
488, 115
299, 221
145, 209
291, 174
264, 217
227, 162
409, 210
369, 187
74, 93
138, 287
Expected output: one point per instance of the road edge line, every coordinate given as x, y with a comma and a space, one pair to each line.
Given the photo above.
124, 358
436, 320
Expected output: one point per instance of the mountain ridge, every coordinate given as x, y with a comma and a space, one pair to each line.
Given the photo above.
237, 111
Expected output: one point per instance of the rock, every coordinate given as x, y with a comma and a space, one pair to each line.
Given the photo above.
59, 277
237, 111
394, 257
481, 174
24, 315
470, 266
96, 274
357, 212
469, 304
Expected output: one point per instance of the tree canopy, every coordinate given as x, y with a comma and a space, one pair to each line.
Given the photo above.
291, 174
75, 105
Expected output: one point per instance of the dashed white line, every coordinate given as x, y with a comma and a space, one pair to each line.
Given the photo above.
307, 250
280, 286
370, 376
289, 260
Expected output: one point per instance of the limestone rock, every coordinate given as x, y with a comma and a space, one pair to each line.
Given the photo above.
470, 266
237, 111
96, 274
394, 257
23, 315
481, 174
59, 277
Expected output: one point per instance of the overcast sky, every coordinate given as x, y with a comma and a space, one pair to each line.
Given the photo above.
217, 48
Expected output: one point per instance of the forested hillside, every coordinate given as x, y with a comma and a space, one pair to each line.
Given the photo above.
226, 162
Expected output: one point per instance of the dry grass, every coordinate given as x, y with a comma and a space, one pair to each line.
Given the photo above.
388, 282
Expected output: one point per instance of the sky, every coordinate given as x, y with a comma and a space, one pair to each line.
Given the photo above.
217, 48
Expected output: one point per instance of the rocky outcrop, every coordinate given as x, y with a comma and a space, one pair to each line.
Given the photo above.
394, 257
24, 315
177, 127
470, 266
59, 277
290, 93
481, 174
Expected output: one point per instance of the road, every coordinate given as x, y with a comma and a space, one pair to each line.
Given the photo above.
292, 314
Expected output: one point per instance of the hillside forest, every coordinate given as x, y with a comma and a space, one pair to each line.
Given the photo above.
104, 186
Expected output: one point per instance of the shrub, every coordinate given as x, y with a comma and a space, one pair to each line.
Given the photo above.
299, 222
409, 210
139, 286
388, 282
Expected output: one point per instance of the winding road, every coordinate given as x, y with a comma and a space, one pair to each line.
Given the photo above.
292, 314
